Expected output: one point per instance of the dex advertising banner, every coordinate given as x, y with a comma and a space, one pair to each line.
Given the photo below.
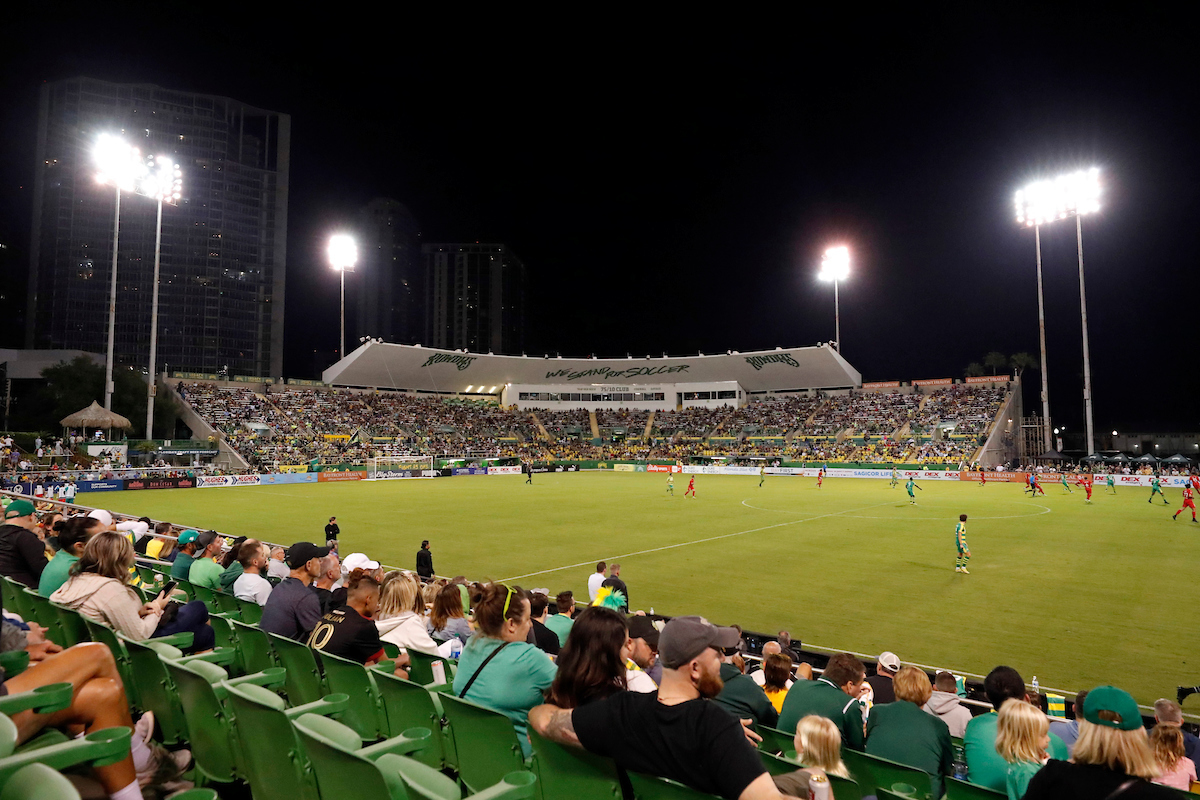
515, 470
352, 475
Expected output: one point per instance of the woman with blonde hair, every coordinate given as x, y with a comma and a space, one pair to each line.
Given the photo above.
1175, 768
1022, 736
903, 732
1112, 756
397, 619
819, 749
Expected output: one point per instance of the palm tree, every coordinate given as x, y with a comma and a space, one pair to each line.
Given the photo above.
995, 361
1023, 361
975, 370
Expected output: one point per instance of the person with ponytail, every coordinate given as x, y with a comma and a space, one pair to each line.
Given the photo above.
72, 535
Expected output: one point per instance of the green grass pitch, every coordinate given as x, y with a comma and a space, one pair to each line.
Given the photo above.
1076, 594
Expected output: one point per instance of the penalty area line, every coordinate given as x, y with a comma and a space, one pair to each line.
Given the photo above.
687, 544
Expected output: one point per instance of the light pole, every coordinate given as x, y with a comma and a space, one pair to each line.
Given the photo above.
835, 266
343, 254
1073, 194
119, 164
162, 181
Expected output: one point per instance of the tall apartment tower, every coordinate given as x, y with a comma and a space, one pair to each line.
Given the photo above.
476, 297
223, 254
389, 285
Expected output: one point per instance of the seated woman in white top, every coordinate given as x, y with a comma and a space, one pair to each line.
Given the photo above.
397, 619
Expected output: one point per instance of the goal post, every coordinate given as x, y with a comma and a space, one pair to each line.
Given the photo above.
393, 467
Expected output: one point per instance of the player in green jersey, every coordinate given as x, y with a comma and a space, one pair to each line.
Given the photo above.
895, 478
912, 498
762, 475
960, 538
1063, 480
670, 484
1110, 484
1156, 489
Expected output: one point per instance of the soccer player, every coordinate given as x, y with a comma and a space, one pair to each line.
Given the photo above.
529, 473
1156, 489
912, 498
1195, 482
1187, 503
982, 477
820, 477
670, 484
1063, 480
1087, 486
691, 487
762, 475
1034, 486
964, 552
1109, 483
895, 478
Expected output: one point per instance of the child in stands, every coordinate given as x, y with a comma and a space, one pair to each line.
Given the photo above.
1022, 736
1177, 770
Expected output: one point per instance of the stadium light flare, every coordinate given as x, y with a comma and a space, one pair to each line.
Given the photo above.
161, 180
343, 255
835, 266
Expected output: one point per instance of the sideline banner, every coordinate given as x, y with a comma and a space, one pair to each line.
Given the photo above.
287, 477
352, 475
210, 481
988, 379
159, 483
882, 385
292, 468
934, 382
469, 471
513, 470
623, 468
114, 485
663, 468
999, 477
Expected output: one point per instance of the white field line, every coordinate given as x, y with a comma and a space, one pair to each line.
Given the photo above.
686, 544
1044, 510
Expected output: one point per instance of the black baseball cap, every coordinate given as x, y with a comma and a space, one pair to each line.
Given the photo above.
642, 628
301, 553
684, 638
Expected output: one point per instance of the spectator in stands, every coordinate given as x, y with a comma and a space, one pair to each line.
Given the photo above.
425, 561
595, 580
561, 622
803, 670
540, 636
777, 678
1068, 729
1168, 713
188, 544
785, 646
741, 696
944, 704
322, 587
674, 733
642, 650
1175, 768
985, 765
834, 695
397, 619
615, 583
22, 553
231, 566
99, 590
590, 666
205, 570
1112, 755
293, 610
73, 536
278, 567
251, 585
348, 631
1022, 734
447, 620
902, 732
819, 749
498, 667
160, 546
886, 668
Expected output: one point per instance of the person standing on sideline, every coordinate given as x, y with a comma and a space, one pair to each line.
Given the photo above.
425, 561
528, 469
331, 533
960, 539
671, 484
616, 584
594, 581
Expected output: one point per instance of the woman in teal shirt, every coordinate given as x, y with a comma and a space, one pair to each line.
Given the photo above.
516, 674
73, 535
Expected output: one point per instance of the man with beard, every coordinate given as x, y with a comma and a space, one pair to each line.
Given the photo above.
674, 732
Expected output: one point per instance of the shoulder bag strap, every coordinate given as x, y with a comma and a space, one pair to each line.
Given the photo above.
486, 661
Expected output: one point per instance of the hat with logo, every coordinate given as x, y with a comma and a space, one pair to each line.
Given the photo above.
1113, 708
642, 628
301, 553
18, 508
889, 661
684, 638
359, 561
189, 536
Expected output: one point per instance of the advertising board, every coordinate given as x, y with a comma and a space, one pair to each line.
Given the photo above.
663, 468
159, 483
278, 478
998, 477
114, 485
211, 481
513, 470
335, 477
469, 471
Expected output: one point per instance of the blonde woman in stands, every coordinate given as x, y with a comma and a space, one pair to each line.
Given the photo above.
1112, 756
1022, 736
819, 749
397, 617
1175, 768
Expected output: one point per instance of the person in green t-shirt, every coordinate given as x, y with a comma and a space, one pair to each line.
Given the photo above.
561, 622
1156, 489
73, 535
205, 570
188, 545
964, 550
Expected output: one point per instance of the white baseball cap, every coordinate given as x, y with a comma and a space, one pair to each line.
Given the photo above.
359, 561
103, 516
889, 661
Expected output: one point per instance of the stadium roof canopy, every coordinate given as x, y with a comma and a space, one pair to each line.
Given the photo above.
399, 366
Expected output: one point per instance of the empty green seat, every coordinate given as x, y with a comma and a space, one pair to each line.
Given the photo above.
963, 790
254, 648
775, 741
99, 748
44, 615
485, 743
249, 611
74, 629
38, 782
364, 714
572, 772
885, 773
410, 705
844, 788
227, 604
304, 683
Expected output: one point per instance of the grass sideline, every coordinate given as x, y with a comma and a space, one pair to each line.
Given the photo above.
1078, 595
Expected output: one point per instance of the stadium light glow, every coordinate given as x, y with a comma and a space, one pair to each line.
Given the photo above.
161, 180
343, 254
835, 266
1073, 194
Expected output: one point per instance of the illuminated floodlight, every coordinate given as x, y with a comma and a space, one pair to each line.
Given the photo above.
161, 179
343, 252
117, 163
835, 266
1073, 194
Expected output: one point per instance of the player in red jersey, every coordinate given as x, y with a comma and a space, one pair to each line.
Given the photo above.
1188, 502
691, 487
820, 477
1087, 486
1195, 479
982, 478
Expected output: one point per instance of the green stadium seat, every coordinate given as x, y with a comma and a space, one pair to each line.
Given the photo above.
885, 773
206, 596
410, 705
649, 787
38, 782
778, 765
228, 604
421, 670
7, 594
99, 748
17, 600
844, 788
74, 629
365, 715
106, 635
14, 662
964, 790
484, 742
150, 577
196, 794
185, 586
572, 772
249, 611
774, 740
860, 770
276, 767
44, 615
254, 648
900, 791
42, 700
304, 684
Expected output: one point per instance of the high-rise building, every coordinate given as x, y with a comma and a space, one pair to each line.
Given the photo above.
388, 295
223, 255
475, 297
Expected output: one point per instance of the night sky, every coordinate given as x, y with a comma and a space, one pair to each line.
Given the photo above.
671, 182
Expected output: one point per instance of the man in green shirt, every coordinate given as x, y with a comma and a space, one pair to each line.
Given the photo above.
984, 764
561, 622
834, 696
186, 555
205, 570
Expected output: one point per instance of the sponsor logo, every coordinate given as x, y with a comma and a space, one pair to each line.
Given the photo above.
662, 468
352, 475
469, 471
504, 470
776, 358
988, 379
881, 385
934, 382
608, 373
462, 362
623, 468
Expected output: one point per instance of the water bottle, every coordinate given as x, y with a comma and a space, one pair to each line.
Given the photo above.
455, 647
960, 763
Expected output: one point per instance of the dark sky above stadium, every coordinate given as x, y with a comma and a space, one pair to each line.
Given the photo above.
671, 181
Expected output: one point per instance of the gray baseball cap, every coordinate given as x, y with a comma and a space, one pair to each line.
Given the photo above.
684, 638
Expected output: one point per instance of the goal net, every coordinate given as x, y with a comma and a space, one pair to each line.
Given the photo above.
392, 467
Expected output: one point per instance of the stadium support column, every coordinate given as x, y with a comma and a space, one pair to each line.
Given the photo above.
1087, 363
1037, 241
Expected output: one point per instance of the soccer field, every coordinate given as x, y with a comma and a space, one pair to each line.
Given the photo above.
1076, 594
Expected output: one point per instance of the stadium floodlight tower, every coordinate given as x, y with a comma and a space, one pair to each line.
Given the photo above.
119, 164
343, 255
1074, 194
835, 266
162, 181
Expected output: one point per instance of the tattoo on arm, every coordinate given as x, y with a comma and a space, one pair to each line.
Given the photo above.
559, 728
